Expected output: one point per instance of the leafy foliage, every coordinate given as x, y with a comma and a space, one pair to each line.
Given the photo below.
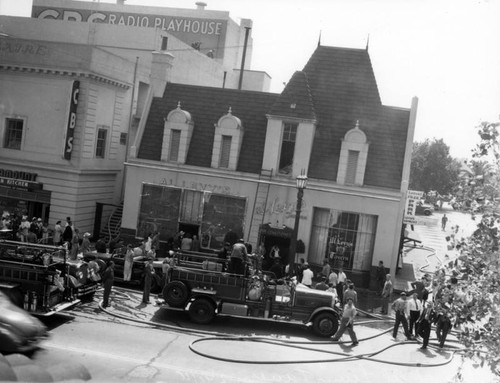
432, 167
469, 288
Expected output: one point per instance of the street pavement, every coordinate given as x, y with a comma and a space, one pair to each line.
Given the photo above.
166, 347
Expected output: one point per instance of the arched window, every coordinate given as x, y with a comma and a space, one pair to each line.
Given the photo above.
177, 134
227, 142
353, 156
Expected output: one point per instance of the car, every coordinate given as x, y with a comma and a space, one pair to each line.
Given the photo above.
19, 331
423, 208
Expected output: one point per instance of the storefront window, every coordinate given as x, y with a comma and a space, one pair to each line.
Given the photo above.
223, 217
345, 238
165, 209
159, 211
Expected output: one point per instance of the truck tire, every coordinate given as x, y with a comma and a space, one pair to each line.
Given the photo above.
176, 294
325, 324
201, 311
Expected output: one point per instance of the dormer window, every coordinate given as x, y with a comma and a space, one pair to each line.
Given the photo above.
227, 142
353, 156
177, 133
287, 148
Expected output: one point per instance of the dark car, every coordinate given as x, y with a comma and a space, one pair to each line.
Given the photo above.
19, 331
424, 209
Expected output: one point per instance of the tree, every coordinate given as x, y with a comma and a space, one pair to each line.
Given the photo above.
432, 167
469, 288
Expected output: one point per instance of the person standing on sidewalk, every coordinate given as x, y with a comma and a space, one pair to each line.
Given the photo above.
387, 294
399, 307
444, 220
414, 308
307, 275
148, 276
108, 278
341, 279
424, 324
443, 326
380, 276
347, 322
350, 293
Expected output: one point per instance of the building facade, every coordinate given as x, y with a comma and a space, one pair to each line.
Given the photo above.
211, 33
71, 98
221, 163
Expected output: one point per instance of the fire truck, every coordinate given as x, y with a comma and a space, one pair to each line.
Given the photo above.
199, 285
41, 279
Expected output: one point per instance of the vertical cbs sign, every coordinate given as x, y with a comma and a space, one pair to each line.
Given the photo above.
70, 130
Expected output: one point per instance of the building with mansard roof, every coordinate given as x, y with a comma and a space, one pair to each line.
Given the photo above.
220, 163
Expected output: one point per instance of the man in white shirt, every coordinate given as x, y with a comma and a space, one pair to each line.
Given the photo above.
347, 322
341, 279
307, 275
333, 279
414, 309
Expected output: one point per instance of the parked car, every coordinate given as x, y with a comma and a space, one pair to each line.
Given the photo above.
424, 209
19, 331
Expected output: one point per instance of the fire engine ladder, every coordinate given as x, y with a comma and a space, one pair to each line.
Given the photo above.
260, 204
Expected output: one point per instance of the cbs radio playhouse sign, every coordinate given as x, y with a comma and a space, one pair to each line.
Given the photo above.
210, 33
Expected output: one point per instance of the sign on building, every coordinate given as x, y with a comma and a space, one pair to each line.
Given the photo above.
70, 130
412, 196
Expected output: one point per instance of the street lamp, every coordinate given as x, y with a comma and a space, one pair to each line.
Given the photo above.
301, 185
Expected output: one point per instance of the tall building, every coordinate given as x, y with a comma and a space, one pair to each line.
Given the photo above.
72, 95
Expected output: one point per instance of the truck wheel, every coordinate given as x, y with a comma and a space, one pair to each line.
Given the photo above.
325, 324
201, 311
427, 212
176, 294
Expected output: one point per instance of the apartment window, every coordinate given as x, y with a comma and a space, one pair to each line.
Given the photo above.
13, 133
225, 151
287, 148
100, 150
175, 140
352, 167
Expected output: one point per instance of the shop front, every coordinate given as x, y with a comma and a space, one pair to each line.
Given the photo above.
21, 195
214, 218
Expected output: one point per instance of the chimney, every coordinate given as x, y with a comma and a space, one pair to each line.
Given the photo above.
120, 2
200, 5
161, 67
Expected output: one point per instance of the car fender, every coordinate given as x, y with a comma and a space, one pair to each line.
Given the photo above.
322, 310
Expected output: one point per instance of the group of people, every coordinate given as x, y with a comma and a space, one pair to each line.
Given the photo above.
35, 230
24, 229
422, 314
416, 311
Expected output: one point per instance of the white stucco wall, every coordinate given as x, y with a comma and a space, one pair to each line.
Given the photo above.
281, 203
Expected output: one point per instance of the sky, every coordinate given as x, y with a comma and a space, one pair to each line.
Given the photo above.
445, 52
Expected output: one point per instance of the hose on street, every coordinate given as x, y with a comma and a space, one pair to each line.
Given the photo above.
310, 346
